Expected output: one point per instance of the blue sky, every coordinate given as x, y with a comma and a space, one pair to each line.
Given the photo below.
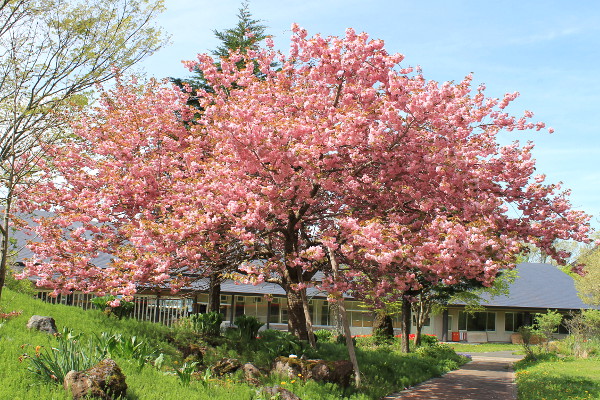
549, 51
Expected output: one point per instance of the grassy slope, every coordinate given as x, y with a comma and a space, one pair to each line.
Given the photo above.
18, 383
384, 370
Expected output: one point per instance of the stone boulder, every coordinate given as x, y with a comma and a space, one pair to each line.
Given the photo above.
338, 372
251, 373
104, 380
226, 366
280, 393
42, 324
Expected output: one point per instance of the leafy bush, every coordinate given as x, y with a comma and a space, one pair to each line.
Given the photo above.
124, 309
428, 340
546, 324
369, 341
248, 326
208, 324
584, 338
71, 353
527, 334
440, 351
279, 343
24, 286
324, 335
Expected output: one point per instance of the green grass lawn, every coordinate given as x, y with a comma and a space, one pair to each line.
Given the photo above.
485, 347
559, 379
384, 370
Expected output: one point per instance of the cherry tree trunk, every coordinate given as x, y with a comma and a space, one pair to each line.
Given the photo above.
418, 329
296, 315
406, 308
214, 293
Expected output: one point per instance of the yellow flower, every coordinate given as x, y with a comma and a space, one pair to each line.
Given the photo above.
293, 381
283, 383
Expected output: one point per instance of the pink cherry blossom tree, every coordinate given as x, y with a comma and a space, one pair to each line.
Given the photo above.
337, 154
341, 148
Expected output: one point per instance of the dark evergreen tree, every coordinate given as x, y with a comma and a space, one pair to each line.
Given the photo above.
246, 35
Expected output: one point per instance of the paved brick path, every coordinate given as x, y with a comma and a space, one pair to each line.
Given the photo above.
487, 377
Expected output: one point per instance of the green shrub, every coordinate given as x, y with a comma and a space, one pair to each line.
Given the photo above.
279, 343
208, 324
440, 351
428, 340
324, 335
248, 326
124, 309
24, 286
527, 334
370, 341
546, 324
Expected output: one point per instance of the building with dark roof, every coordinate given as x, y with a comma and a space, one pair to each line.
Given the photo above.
537, 288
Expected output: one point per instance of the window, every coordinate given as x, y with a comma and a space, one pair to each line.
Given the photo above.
274, 309
427, 321
324, 314
513, 321
477, 321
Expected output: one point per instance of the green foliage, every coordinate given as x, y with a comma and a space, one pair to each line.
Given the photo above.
324, 335
555, 378
384, 370
368, 341
52, 363
527, 333
584, 338
24, 286
248, 326
546, 324
341, 339
485, 347
185, 372
428, 340
440, 351
246, 35
208, 324
124, 309
279, 343
128, 347
588, 286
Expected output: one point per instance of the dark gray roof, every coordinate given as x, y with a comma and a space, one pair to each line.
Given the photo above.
539, 286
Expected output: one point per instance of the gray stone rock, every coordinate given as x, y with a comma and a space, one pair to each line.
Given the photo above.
251, 373
104, 380
42, 324
280, 393
338, 372
226, 366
